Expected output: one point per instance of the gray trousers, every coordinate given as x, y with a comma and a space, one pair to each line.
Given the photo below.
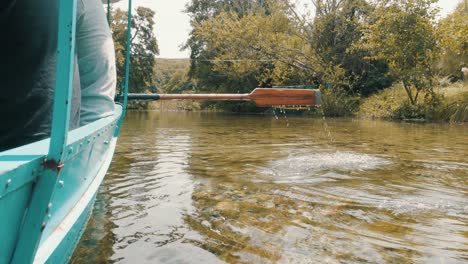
96, 60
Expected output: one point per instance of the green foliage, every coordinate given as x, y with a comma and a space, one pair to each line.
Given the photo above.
143, 50
442, 104
453, 32
403, 33
335, 30
235, 49
392, 104
204, 70
261, 44
410, 112
453, 104
383, 104
264, 44
358, 46
338, 103
428, 109
171, 76
202, 67
457, 109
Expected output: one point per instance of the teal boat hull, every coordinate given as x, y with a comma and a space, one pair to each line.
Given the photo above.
88, 155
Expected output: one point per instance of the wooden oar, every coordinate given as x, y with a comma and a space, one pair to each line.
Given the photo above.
263, 97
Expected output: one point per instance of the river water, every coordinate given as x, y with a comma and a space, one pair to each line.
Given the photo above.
215, 188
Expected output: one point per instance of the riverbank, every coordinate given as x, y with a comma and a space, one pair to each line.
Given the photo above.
448, 103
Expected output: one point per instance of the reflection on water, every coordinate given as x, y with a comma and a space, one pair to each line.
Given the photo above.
214, 188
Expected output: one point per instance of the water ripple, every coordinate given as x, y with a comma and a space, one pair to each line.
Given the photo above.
204, 188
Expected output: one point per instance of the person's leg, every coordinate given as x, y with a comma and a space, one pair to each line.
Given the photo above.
27, 71
96, 59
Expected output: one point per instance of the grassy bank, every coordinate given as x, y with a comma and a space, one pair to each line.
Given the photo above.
447, 103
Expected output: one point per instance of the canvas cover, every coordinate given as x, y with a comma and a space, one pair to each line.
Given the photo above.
27, 68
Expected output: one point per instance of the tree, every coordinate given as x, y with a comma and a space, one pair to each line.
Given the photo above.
453, 31
204, 57
256, 43
335, 29
262, 44
144, 48
284, 48
171, 76
403, 33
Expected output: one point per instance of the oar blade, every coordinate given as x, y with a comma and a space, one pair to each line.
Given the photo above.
265, 97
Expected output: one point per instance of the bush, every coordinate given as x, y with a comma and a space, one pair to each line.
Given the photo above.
337, 103
449, 103
384, 104
429, 109
456, 109
407, 111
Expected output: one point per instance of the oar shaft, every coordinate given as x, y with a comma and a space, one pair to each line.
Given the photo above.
137, 96
244, 97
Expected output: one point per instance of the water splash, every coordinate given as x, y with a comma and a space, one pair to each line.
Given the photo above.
285, 117
282, 111
274, 112
311, 164
326, 128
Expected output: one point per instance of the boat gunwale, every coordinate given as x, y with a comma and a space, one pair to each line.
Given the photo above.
47, 247
15, 173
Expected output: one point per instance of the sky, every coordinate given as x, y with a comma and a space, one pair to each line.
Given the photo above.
173, 25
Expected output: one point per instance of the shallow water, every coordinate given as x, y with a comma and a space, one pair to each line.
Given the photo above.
214, 188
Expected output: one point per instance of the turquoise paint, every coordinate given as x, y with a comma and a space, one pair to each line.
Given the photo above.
64, 79
37, 215
38, 150
19, 176
87, 147
127, 64
78, 173
65, 250
12, 209
36, 199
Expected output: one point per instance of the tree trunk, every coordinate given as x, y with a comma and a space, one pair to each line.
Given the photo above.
407, 87
416, 96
